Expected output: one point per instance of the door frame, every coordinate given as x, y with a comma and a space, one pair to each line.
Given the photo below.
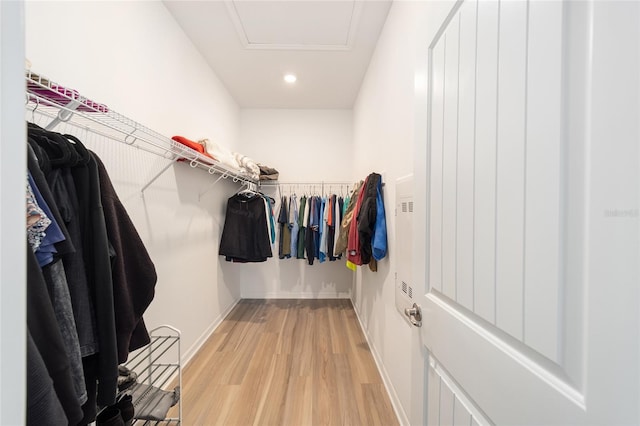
13, 242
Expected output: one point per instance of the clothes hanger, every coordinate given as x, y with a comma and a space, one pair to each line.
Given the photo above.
33, 111
246, 191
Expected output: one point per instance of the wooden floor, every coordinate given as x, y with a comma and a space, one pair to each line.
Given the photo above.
286, 362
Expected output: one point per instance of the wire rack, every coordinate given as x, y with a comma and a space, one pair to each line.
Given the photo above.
159, 365
64, 105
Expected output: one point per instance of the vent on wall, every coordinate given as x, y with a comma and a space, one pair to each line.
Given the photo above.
410, 206
407, 289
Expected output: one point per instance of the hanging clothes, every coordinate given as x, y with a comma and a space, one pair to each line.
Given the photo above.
380, 231
37, 219
293, 224
312, 229
302, 228
246, 234
336, 226
56, 282
366, 218
70, 169
317, 227
271, 217
332, 218
284, 244
43, 404
98, 277
47, 338
354, 254
331, 232
324, 230
133, 272
345, 224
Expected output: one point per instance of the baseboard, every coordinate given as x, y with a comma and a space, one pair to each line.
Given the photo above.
190, 353
296, 295
395, 401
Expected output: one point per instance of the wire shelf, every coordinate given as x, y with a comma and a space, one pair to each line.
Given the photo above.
158, 364
65, 105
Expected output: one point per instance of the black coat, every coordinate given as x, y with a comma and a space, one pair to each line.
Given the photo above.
132, 271
367, 217
43, 327
73, 173
245, 235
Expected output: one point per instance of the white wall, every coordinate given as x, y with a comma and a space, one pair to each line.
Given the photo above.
133, 57
390, 136
303, 145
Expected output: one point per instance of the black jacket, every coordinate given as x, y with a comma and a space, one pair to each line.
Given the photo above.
43, 405
88, 231
58, 190
43, 327
132, 271
367, 217
245, 236
97, 259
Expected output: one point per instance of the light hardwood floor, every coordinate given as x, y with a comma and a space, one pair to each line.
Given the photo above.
286, 362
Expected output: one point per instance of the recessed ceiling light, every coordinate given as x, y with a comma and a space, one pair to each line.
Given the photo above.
290, 78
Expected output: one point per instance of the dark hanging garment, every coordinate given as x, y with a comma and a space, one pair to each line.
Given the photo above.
317, 226
367, 217
339, 224
43, 405
301, 229
245, 235
56, 281
331, 229
43, 328
310, 234
98, 255
70, 166
284, 242
75, 270
292, 223
133, 273
54, 179
34, 165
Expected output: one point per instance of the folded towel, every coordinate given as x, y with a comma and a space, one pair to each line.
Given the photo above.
268, 173
193, 145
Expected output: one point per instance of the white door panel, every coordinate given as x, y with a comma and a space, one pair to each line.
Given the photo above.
510, 162
486, 72
530, 309
435, 232
449, 404
449, 157
465, 169
544, 151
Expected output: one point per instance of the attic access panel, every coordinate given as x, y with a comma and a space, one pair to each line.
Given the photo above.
308, 25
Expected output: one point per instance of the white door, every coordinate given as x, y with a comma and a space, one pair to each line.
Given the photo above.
531, 308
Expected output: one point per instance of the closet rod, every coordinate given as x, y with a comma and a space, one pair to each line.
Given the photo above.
45, 96
300, 182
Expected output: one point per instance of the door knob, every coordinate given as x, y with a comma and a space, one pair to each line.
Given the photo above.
415, 314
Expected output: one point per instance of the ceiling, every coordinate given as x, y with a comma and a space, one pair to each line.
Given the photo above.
250, 45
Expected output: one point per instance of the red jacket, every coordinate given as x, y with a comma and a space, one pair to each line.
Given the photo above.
353, 245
